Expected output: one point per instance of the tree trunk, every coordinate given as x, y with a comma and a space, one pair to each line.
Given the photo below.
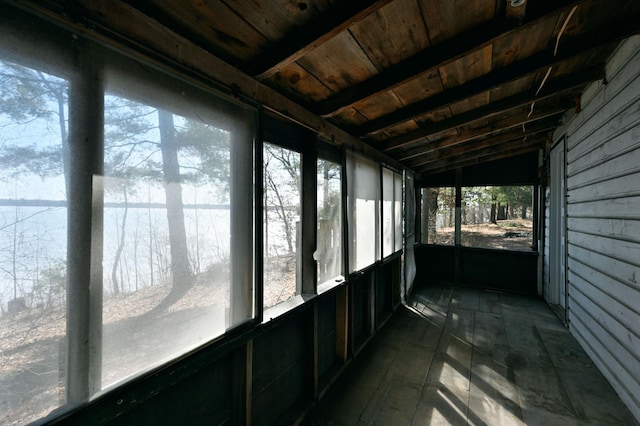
116, 261
182, 279
494, 210
524, 212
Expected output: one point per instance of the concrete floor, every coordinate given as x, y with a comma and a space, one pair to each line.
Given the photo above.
457, 356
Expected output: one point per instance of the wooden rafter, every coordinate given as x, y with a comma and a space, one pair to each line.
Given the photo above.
493, 153
515, 71
465, 148
437, 56
426, 147
307, 38
562, 86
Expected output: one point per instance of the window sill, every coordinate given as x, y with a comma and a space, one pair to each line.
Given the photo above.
330, 284
289, 305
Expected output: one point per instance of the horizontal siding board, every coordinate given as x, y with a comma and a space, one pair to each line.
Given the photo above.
617, 319
616, 114
620, 359
603, 220
613, 188
617, 277
623, 250
588, 119
616, 157
606, 364
621, 229
625, 207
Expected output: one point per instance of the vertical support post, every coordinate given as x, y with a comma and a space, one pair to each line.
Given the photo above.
242, 198
535, 217
458, 229
309, 279
85, 228
342, 323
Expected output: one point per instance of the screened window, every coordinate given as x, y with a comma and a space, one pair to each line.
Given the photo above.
391, 211
497, 217
152, 269
397, 210
33, 242
329, 253
438, 215
364, 194
282, 200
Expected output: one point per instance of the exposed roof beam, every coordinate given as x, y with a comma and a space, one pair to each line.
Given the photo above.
437, 56
564, 85
304, 39
508, 123
460, 149
491, 153
120, 25
515, 71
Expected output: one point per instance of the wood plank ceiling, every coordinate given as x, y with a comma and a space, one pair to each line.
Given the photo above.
435, 84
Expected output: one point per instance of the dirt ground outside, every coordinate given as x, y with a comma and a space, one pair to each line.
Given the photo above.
511, 234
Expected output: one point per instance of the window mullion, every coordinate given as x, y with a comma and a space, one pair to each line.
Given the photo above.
85, 217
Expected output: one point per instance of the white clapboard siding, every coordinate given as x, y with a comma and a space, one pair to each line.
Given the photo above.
546, 277
603, 223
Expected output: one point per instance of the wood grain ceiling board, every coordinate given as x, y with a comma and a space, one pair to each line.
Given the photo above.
523, 44
299, 84
517, 86
379, 105
392, 34
391, 132
448, 18
210, 24
419, 88
275, 19
469, 67
349, 117
339, 63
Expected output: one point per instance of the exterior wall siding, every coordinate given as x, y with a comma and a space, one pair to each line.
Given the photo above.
603, 220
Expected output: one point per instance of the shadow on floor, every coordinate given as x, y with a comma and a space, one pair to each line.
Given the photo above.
457, 356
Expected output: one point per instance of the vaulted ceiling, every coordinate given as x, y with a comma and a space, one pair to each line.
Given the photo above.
434, 84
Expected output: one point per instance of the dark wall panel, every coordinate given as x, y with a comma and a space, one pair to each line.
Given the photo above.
501, 270
326, 334
511, 271
282, 369
203, 398
434, 264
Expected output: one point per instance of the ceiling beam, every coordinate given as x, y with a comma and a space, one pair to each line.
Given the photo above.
304, 39
429, 59
560, 86
460, 149
535, 63
127, 29
426, 146
492, 153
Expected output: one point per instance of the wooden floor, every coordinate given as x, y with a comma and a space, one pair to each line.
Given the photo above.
456, 356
